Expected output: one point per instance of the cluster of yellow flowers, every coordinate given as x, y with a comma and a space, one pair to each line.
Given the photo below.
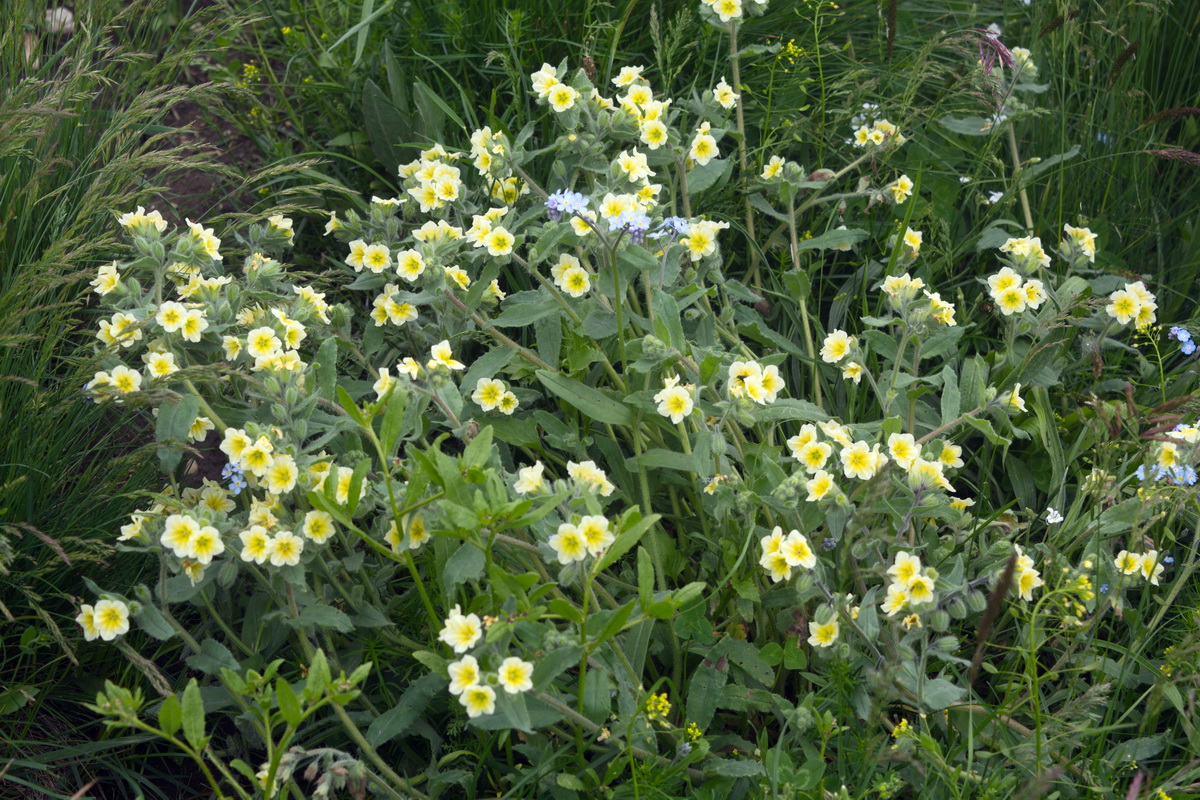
1135, 303
902, 292
880, 134
1148, 564
753, 381
575, 542
1013, 294
467, 679
780, 554
911, 589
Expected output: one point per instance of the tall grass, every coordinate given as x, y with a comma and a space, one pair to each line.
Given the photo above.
82, 137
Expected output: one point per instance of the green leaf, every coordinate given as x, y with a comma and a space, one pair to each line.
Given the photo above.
553, 664
787, 409
386, 127
733, 768
704, 690
289, 704
193, 715
626, 540
479, 451
175, 418
518, 315
398, 719
552, 236
701, 177
664, 459
645, 573
170, 715
318, 677
985, 427
833, 240
326, 368
152, 621
565, 610
591, 402
323, 616
615, 622
212, 658
349, 406
466, 564
968, 126
668, 322
951, 397
393, 419
940, 693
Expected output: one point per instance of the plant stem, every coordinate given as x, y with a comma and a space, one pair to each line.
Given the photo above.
735, 65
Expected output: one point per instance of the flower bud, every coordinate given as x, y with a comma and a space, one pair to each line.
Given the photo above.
976, 602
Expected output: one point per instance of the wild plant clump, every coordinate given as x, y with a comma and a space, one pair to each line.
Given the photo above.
532, 470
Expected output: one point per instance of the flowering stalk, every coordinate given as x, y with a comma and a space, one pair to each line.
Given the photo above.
809, 347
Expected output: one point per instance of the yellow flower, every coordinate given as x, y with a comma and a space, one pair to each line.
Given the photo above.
814, 455
499, 242
458, 276
568, 544
1127, 562
199, 429
318, 526
562, 97
125, 380
281, 475
724, 94
529, 479
703, 149
837, 346
773, 168
796, 550
409, 265
901, 189
171, 316
440, 354
824, 634
263, 343
576, 282
859, 462
87, 620
905, 568
1122, 306
205, 545
461, 631
111, 619
107, 279
819, 486
653, 133
464, 674
674, 401
488, 392
920, 590
903, 449
595, 533
286, 548
479, 700
515, 675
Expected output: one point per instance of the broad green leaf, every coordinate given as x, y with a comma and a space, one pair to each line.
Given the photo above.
626, 540
951, 397
833, 240
318, 677
985, 427
170, 715
398, 719
704, 690
591, 402
466, 564
212, 658
193, 715
289, 704
323, 616
393, 419
175, 418
701, 177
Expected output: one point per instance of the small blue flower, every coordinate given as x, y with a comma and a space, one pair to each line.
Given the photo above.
828, 543
1188, 347
1104, 588
1140, 472
671, 226
1168, 559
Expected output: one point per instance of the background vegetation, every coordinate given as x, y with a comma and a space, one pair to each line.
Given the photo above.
85, 133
